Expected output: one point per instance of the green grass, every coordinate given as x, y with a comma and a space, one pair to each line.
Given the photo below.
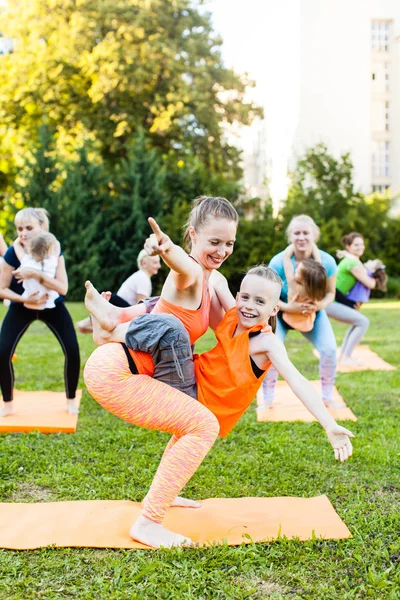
108, 459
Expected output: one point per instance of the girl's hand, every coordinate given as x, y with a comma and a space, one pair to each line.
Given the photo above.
289, 250
23, 273
339, 438
302, 308
158, 243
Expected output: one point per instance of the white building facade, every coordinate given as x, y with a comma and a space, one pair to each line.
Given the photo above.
341, 87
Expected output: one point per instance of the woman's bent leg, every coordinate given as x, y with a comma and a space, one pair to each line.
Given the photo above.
359, 325
323, 338
269, 382
15, 323
148, 403
59, 321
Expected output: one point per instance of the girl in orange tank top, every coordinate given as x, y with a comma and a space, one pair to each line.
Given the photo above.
228, 377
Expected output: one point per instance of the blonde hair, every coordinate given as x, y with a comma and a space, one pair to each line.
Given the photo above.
203, 208
42, 245
266, 272
141, 258
28, 214
306, 219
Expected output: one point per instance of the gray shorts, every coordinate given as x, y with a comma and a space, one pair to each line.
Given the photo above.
167, 341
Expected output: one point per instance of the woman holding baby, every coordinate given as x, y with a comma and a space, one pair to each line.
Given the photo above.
34, 279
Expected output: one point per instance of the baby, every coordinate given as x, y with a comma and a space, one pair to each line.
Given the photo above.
41, 254
306, 282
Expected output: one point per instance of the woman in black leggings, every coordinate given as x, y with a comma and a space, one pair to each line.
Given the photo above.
29, 221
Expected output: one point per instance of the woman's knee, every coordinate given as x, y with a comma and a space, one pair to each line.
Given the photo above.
207, 426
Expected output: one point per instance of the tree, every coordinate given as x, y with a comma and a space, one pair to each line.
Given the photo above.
322, 187
117, 67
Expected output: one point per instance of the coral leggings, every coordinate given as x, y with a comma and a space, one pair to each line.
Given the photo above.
143, 401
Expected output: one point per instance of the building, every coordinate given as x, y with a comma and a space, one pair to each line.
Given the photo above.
341, 87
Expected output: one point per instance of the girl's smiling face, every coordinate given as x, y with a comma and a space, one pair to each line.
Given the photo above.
257, 300
213, 243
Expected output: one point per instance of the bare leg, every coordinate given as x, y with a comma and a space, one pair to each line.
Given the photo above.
108, 315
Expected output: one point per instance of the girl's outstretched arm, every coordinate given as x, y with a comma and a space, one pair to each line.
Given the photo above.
338, 436
184, 270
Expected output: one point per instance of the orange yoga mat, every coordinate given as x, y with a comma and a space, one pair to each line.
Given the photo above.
287, 407
106, 523
369, 361
40, 411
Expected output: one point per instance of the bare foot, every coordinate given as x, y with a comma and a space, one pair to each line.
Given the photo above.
348, 361
183, 502
72, 408
264, 406
334, 405
85, 326
105, 313
155, 535
100, 336
7, 409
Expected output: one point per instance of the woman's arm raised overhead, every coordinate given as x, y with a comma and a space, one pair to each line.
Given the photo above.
184, 270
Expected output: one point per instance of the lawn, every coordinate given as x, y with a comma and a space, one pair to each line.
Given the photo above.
109, 459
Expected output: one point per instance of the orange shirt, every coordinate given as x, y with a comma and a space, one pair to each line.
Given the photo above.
195, 321
225, 379
297, 320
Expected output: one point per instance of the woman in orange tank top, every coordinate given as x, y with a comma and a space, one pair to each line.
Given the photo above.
194, 291
198, 295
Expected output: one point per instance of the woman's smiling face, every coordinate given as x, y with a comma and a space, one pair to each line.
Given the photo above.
213, 243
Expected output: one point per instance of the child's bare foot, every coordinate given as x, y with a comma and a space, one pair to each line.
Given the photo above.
72, 408
85, 326
183, 502
105, 313
155, 535
7, 409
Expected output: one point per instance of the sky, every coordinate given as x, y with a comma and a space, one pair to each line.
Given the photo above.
262, 38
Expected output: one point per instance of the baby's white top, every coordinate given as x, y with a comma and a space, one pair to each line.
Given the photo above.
48, 268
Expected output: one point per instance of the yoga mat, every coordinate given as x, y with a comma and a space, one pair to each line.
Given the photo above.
370, 361
287, 407
40, 411
106, 523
